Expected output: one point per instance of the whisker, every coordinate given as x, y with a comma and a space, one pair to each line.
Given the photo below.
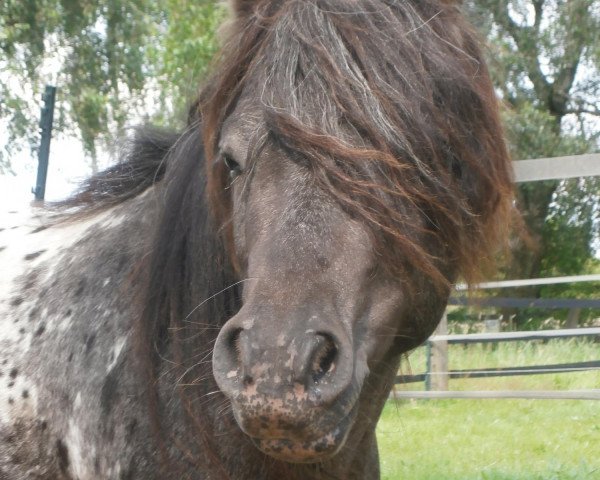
215, 295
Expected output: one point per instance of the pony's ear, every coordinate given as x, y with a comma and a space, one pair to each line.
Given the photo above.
242, 8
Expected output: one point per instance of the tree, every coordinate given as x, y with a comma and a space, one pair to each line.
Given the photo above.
109, 59
183, 56
545, 60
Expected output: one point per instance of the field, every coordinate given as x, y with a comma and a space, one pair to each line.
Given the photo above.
497, 439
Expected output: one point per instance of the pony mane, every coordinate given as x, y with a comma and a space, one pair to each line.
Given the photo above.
399, 121
187, 290
142, 163
182, 286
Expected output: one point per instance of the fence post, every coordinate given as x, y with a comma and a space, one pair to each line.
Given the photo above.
47, 116
573, 317
428, 365
437, 359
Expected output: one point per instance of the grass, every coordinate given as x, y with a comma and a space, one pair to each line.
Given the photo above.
497, 439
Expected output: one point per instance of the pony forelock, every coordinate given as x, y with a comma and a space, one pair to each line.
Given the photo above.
391, 106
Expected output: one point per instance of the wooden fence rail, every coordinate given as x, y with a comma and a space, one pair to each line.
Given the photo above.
593, 394
437, 376
514, 336
512, 302
557, 168
504, 371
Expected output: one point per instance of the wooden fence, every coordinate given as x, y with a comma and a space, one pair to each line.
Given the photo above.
437, 375
557, 168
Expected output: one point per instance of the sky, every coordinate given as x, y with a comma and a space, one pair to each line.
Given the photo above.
67, 167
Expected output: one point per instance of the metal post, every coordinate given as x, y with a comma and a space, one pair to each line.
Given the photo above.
47, 116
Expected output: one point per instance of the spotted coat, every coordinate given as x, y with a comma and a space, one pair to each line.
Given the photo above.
68, 407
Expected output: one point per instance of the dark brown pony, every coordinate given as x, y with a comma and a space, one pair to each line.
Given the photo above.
341, 169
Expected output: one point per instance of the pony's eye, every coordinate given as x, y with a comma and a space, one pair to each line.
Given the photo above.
234, 167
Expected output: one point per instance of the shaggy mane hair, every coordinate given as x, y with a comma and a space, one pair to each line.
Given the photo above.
390, 105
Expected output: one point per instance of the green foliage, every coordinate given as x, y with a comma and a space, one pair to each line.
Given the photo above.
571, 223
531, 132
184, 55
545, 62
537, 47
112, 60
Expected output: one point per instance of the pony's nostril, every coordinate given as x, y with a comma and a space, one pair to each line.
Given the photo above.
238, 355
248, 381
234, 346
323, 361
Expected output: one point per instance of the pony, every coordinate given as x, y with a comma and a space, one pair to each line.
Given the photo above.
232, 301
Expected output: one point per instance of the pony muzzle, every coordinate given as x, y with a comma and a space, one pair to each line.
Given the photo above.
292, 394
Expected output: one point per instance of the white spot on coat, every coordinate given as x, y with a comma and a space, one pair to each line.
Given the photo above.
116, 351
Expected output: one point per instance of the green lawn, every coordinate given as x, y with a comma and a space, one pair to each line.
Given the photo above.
497, 439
